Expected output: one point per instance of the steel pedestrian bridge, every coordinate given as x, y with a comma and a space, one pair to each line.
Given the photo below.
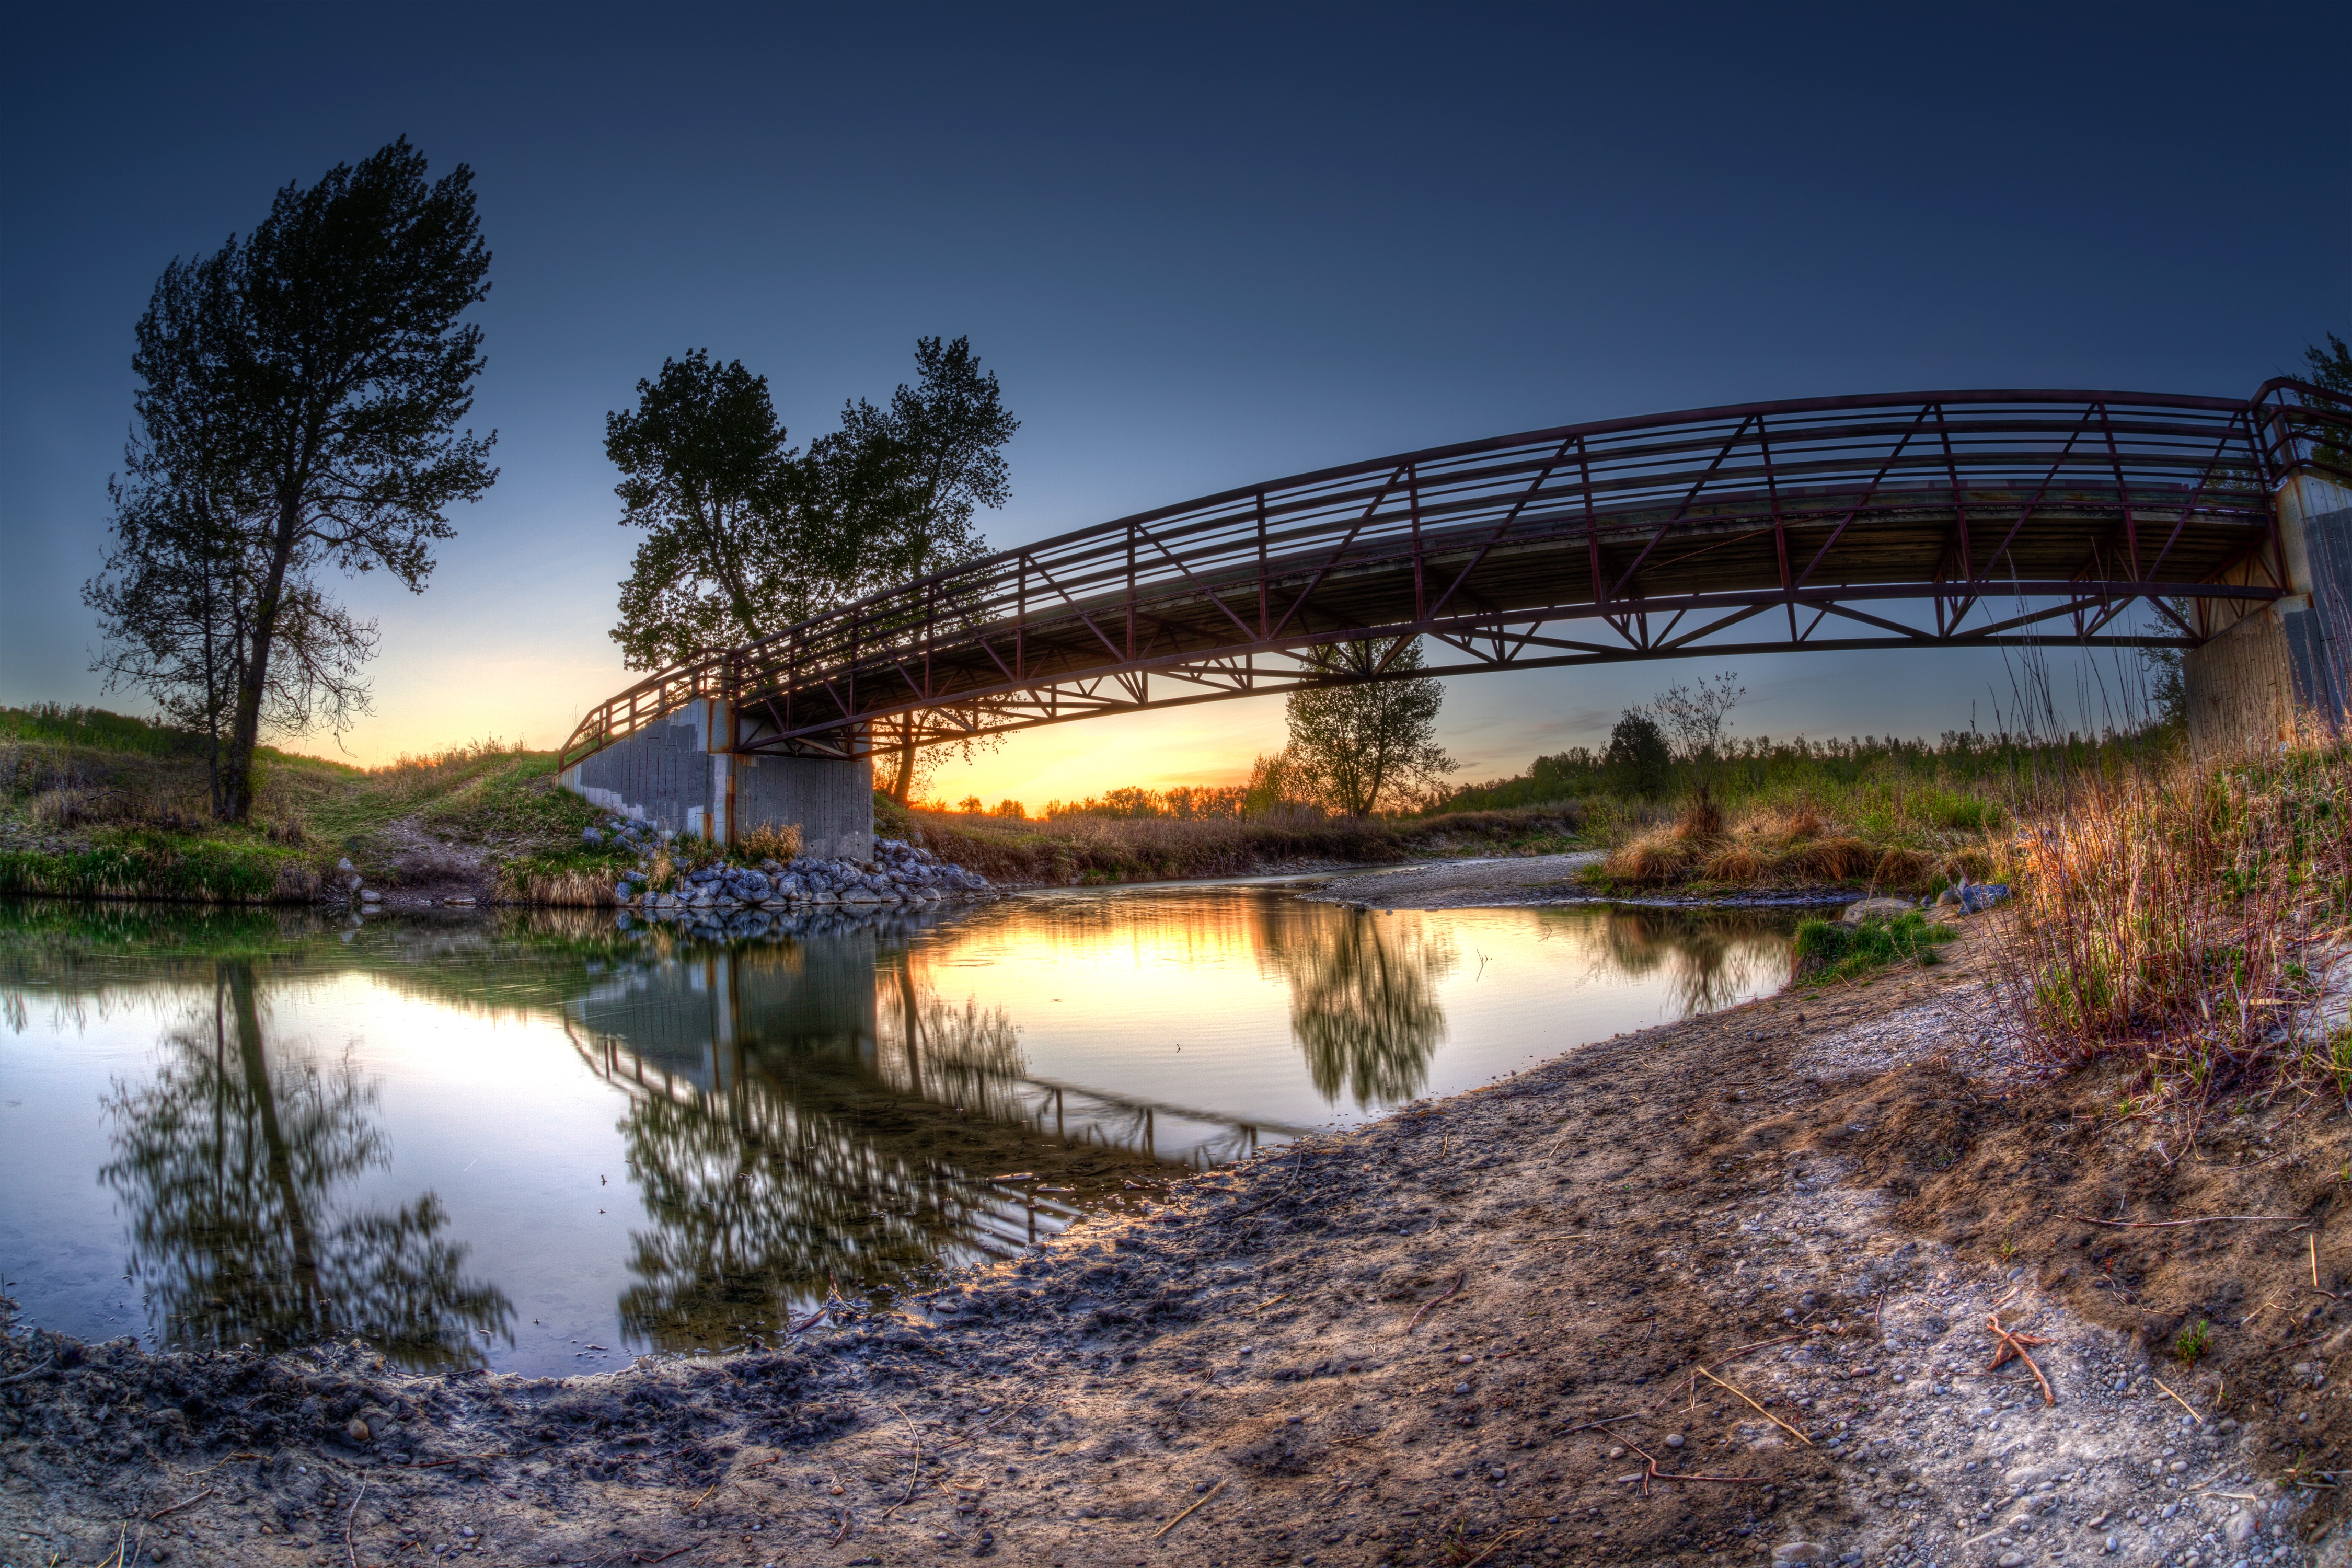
1901, 521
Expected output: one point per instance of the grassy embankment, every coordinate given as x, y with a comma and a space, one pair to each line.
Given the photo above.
1074, 850
96, 804
1901, 818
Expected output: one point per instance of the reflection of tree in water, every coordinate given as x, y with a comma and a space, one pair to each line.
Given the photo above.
1364, 997
228, 1160
1710, 959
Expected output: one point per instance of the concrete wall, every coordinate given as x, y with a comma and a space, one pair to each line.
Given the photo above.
833, 802
662, 774
2241, 685
677, 774
2291, 657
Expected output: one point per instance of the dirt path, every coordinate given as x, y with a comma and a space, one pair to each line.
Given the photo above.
1457, 1336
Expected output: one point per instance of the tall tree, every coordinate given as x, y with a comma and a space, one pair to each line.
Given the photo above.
903, 483
1354, 747
300, 394
745, 536
727, 554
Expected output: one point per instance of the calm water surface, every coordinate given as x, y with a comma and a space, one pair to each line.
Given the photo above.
537, 1142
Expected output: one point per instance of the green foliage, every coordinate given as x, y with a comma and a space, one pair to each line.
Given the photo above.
153, 867
705, 473
1637, 759
2194, 1341
1829, 950
745, 534
1357, 747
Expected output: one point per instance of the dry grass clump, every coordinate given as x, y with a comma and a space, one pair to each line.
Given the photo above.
2183, 912
559, 889
768, 843
1782, 845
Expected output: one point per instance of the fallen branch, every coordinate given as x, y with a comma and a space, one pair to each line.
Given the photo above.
2013, 1343
1188, 1512
1427, 1307
2199, 1219
1760, 1410
26, 1376
673, 1552
183, 1502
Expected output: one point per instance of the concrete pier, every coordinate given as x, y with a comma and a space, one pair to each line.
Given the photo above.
677, 774
2292, 657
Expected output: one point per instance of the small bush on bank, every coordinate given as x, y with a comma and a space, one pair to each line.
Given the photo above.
1828, 951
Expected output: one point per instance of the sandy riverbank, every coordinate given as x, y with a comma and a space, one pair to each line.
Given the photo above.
1395, 1345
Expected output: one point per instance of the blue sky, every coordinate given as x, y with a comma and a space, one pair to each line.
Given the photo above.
1200, 246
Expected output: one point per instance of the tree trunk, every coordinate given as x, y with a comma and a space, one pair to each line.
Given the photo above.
245, 734
301, 1235
903, 782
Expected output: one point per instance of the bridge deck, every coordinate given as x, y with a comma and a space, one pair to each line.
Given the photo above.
1920, 519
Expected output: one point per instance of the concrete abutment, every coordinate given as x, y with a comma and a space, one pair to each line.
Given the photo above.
2290, 658
677, 774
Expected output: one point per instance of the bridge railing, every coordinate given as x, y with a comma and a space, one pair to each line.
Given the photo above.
1251, 561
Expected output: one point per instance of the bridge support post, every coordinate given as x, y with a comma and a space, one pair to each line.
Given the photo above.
679, 774
2292, 657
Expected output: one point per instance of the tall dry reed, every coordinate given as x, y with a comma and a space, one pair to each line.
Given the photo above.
2182, 911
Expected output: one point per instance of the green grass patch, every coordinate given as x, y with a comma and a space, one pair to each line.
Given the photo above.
1828, 951
155, 866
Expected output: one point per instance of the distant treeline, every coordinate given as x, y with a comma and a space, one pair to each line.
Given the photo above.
1760, 764
1230, 803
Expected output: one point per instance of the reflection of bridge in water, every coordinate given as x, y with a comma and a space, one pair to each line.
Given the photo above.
803, 1115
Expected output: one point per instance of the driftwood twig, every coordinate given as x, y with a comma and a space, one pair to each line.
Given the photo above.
2178, 1400
1760, 1410
183, 1502
2199, 1219
1188, 1512
2013, 1343
351, 1525
1652, 1473
1427, 1307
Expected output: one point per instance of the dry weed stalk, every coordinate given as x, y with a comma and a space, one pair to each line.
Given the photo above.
2174, 910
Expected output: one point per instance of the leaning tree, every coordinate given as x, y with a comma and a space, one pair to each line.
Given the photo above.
298, 409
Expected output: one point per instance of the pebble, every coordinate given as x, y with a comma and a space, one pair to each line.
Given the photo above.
1674, 1440
1461, 1388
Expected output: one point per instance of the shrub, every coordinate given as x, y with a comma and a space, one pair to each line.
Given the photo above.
1833, 950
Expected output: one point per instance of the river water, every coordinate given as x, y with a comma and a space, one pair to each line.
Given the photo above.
539, 1143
